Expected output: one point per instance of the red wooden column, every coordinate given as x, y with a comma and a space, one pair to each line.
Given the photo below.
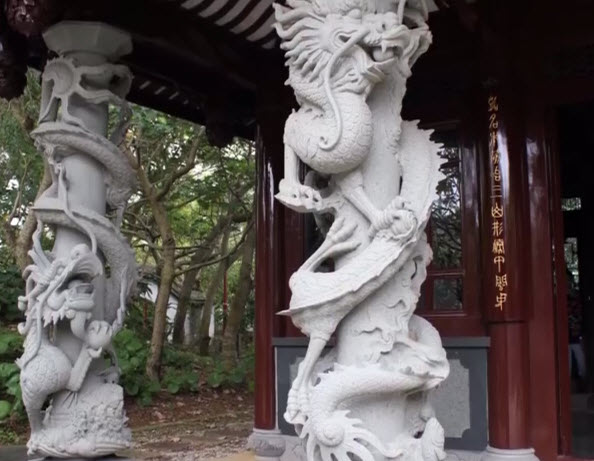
505, 248
279, 248
269, 280
506, 237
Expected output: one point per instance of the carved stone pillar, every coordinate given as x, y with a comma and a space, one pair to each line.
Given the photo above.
372, 184
76, 293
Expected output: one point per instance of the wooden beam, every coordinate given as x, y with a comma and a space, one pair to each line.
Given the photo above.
164, 26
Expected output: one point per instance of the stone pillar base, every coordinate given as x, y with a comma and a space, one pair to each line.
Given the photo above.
268, 445
498, 454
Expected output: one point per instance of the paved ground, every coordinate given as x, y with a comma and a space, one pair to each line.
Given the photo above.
193, 427
19, 453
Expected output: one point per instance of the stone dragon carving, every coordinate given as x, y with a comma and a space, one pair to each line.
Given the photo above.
73, 306
373, 178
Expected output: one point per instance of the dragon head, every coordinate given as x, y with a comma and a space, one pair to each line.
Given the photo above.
71, 288
316, 34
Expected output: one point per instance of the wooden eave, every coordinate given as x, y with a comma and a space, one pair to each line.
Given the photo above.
187, 64
182, 65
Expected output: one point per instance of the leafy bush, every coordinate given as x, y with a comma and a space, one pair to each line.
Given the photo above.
179, 368
11, 286
241, 374
179, 373
11, 347
132, 352
176, 381
8, 436
10, 391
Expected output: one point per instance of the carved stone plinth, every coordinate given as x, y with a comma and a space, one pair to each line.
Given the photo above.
372, 183
73, 307
267, 445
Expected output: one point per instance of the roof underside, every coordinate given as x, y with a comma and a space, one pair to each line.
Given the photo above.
251, 20
201, 60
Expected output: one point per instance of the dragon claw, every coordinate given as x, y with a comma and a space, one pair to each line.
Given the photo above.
340, 232
299, 197
395, 218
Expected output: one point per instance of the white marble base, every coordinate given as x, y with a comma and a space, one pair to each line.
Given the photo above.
271, 445
498, 454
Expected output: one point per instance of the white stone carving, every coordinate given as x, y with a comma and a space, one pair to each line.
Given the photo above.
372, 182
294, 452
73, 308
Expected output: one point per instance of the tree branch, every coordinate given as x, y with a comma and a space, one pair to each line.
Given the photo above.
190, 163
232, 255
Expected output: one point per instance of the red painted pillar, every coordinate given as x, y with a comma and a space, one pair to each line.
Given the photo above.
506, 236
506, 248
268, 283
279, 248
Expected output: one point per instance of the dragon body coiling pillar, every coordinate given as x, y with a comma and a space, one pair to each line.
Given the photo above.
371, 184
76, 293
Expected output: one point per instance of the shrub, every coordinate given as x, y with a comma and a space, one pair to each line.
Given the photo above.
132, 352
11, 347
11, 286
241, 374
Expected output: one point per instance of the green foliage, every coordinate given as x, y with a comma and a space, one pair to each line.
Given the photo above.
11, 388
21, 167
180, 368
242, 374
11, 345
11, 286
176, 381
11, 403
8, 436
132, 352
197, 199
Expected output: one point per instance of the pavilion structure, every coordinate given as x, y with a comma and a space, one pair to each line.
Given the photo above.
508, 87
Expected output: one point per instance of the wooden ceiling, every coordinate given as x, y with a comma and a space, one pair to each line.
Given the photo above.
201, 60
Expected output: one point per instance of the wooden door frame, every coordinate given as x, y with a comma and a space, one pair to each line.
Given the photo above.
542, 141
553, 154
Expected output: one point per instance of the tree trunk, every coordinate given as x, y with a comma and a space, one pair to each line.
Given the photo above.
237, 308
153, 363
167, 269
194, 320
185, 295
211, 293
190, 279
